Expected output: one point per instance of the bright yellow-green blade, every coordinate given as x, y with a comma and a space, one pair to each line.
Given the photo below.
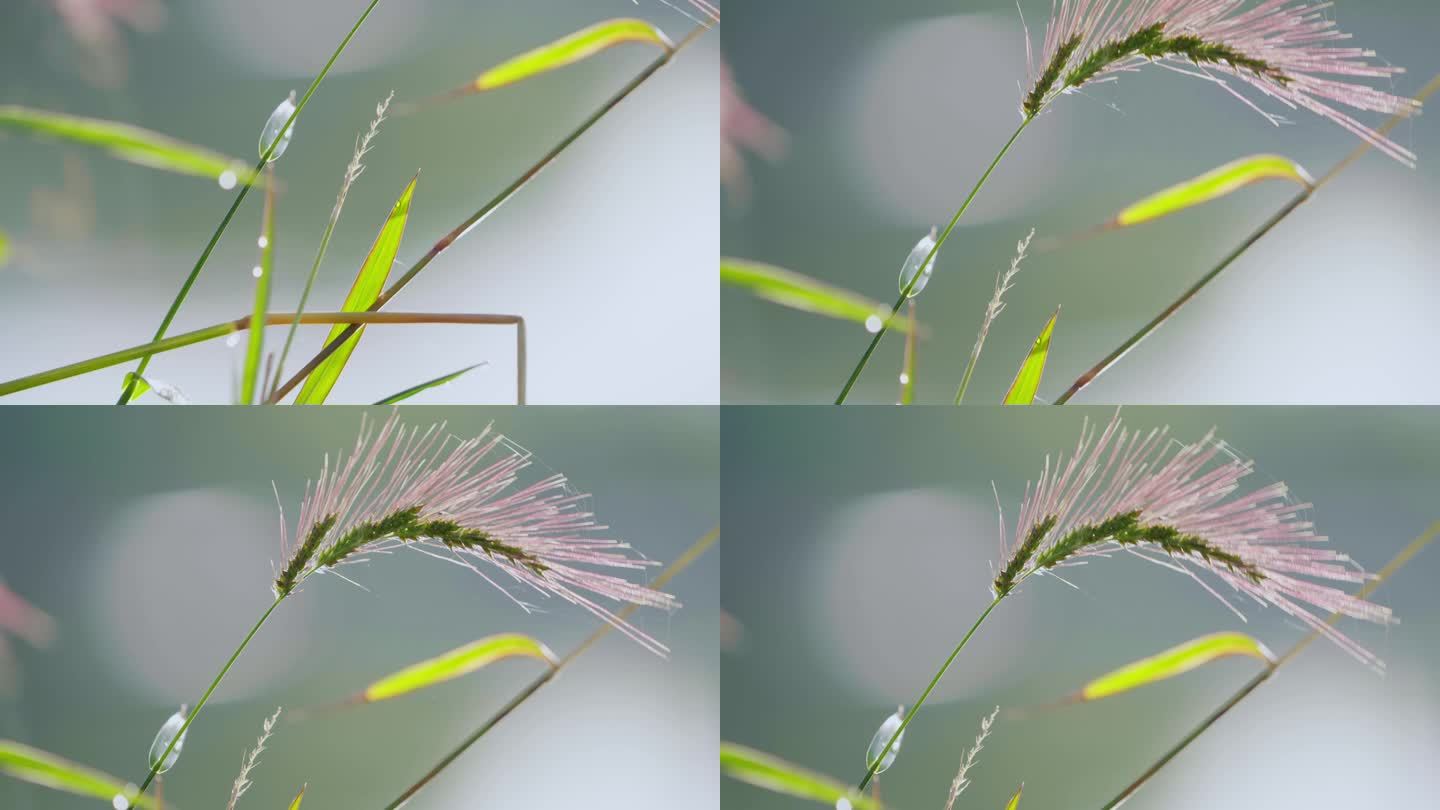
772, 773
570, 49
141, 384
1014, 802
426, 386
369, 282
1175, 661
1212, 185
1027, 379
47, 770
790, 289
456, 663
140, 146
299, 797
4, 249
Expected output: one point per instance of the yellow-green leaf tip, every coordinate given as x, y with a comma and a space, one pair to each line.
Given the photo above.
1175, 661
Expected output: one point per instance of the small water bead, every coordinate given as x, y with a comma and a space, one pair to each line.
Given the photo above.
882, 736
258, 271
162, 741
263, 242
272, 129
228, 179
873, 324
842, 803
912, 264
232, 340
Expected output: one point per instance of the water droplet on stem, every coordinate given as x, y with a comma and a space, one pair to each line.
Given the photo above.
163, 737
913, 261
277, 121
882, 736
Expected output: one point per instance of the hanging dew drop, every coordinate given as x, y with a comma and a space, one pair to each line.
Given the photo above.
912, 264
162, 741
882, 736
272, 129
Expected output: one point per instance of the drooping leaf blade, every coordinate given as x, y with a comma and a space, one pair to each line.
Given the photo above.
772, 773
1014, 802
134, 144
1027, 379
793, 290
426, 386
48, 770
456, 663
1173, 662
570, 49
369, 282
1212, 185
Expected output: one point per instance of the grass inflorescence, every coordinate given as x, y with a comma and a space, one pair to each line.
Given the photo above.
1011, 573
1127, 529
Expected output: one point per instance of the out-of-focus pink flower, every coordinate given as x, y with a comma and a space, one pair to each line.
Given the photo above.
97, 26
743, 128
22, 619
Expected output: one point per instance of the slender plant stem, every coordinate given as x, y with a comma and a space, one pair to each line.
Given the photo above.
184, 292
870, 772
691, 554
907, 366
485, 211
262, 293
1405, 556
155, 769
1134, 340
227, 328
905, 294
305, 293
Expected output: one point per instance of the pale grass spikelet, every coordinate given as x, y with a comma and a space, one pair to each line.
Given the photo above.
1283, 49
1182, 506
363, 144
1003, 282
249, 760
967, 760
463, 501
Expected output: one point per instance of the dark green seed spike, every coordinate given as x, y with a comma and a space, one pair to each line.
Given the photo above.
1144, 41
1201, 52
285, 583
1005, 582
1035, 100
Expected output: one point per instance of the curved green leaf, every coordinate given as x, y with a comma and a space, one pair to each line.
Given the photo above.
367, 287
456, 663
570, 49
47, 770
131, 143
426, 386
1175, 661
772, 773
1212, 185
1027, 379
790, 289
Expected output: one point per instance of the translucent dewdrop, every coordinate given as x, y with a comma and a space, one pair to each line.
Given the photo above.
912, 264
272, 129
882, 736
162, 741
842, 803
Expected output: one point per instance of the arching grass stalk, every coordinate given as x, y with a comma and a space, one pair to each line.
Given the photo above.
129, 392
681, 563
485, 211
1130, 343
228, 328
1415, 547
905, 294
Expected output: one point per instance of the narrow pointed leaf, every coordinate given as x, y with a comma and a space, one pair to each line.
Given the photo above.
456, 663
793, 290
299, 797
1027, 380
1212, 185
1014, 802
130, 143
570, 49
369, 282
47, 770
772, 773
141, 384
426, 386
1175, 661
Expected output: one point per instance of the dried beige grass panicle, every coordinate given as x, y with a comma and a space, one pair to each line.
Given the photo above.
967, 760
249, 760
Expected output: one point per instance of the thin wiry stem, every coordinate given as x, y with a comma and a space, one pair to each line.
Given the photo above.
683, 561
500, 199
907, 366
905, 294
129, 392
1415, 547
1130, 343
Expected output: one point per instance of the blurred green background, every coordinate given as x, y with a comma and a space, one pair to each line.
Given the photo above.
149, 535
603, 254
860, 549
894, 109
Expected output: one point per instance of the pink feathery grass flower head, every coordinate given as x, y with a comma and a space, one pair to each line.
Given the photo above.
1189, 514
1284, 49
743, 128
464, 502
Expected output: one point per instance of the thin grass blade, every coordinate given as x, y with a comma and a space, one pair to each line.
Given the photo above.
130, 143
1027, 379
1014, 802
1175, 661
1213, 185
299, 797
367, 287
568, 50
772, 773
426, 386
456, 663
47, 770
793, 290
266, 267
